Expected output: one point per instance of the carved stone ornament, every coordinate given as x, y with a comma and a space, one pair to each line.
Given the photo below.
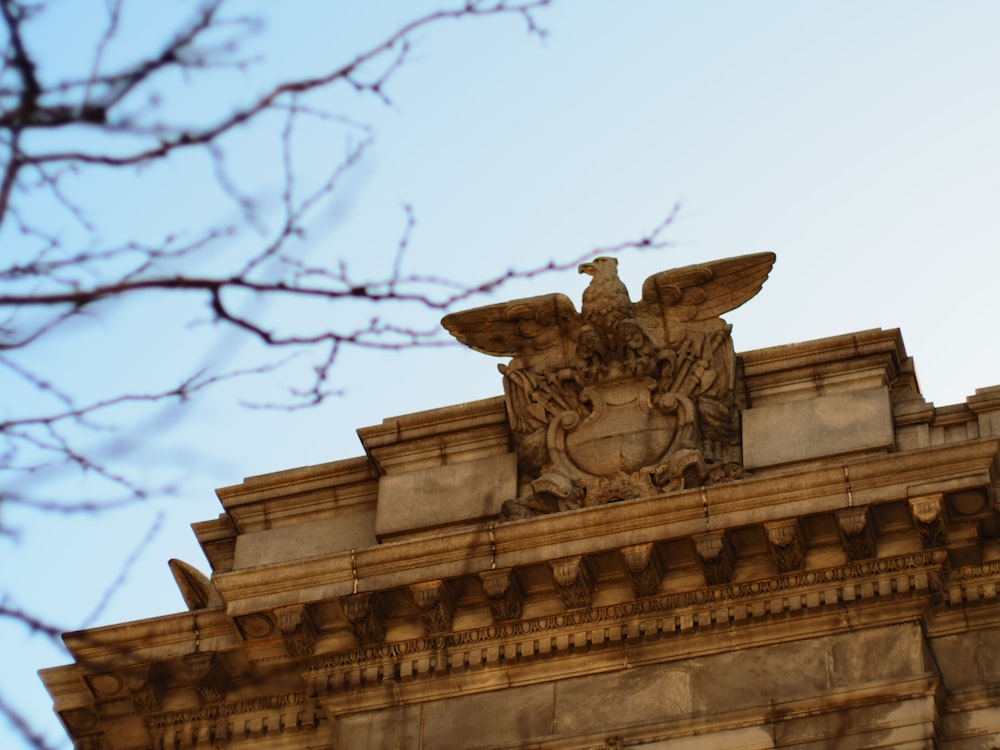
622, 399
367, 617
643, 568
435, 604
206, 672
146, 689
856, 534
297, 629
503, 593
718, 559
573, 582
929, 520
787, 548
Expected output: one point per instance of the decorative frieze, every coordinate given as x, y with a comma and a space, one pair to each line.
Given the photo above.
718, 560
225, 723
643, 567
787, 546
436, 605
856, 534
929, 520
367, 617
661, 616
572, 581
503, 592
297, 629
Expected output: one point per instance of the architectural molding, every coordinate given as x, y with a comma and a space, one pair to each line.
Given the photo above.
727, 604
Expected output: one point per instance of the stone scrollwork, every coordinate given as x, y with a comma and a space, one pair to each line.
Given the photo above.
622, 399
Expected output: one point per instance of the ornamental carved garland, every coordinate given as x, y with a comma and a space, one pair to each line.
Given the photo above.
621, 400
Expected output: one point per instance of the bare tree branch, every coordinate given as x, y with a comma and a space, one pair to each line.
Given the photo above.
66, 264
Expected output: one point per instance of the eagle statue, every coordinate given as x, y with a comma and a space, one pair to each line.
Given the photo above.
622, 399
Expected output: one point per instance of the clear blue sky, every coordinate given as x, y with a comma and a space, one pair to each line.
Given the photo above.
856, 140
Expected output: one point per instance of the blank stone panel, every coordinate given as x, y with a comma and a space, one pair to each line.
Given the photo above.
828, 425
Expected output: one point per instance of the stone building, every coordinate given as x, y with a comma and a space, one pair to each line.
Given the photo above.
649, 541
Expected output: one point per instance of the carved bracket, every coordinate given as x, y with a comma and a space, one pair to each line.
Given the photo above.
929, 519
367, 617
787, 544
503, 593
644, 570
718, 559
573, 582
145, 688
856, 534
297, 629
435, 604
208, 676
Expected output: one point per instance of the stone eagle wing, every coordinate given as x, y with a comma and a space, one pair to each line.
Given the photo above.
704, 291
519, 328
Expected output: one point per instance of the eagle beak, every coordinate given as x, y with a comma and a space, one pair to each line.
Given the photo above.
587, 268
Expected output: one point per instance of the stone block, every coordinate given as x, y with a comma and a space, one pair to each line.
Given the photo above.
889, 653
959, 659
890, 722
444, 495
321, 536
505, 718
389, 729
827, 425
758, 676
642, 695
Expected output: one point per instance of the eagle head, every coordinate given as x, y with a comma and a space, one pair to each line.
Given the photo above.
602, 266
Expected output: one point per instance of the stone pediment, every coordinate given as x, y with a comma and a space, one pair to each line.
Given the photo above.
622, 399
